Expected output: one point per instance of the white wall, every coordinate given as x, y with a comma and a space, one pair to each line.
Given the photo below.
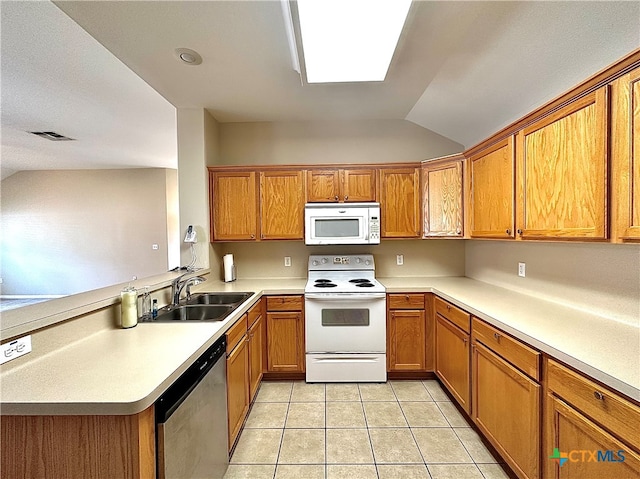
68, 231
601, 278
370, 141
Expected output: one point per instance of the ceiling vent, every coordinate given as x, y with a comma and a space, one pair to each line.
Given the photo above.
51, 135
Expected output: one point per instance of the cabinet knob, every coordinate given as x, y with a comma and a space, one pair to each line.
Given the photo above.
508, 232
448, 308
252, 236
458, 231
335, 198
598, 395
346, 197
406, 297
496, 336
519, 232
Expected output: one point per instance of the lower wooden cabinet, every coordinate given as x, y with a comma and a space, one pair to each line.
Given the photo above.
92, 447
237, 381
285, 334
406, 332
594, 429
506, 409
452, 351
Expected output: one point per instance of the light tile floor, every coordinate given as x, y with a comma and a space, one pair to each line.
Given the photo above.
397, 430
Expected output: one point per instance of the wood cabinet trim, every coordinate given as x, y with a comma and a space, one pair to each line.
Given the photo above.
236, 332
453, 314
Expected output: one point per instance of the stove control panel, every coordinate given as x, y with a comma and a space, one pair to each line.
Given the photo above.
335, 263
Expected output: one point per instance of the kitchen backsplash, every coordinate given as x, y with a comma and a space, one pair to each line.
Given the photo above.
421, 258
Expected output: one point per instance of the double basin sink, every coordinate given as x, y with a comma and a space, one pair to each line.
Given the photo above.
206, 307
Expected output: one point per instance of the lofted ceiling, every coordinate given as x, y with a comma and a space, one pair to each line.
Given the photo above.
461, 69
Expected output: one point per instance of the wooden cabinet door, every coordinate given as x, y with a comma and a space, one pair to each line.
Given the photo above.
442, 197
285, 342
625, 147
562, 172
400, 202
492, 196
506, 408
237, 389
256, 346
323, 186
406, 340
358, 185
452, 360
233, 205
581, 442
282, 195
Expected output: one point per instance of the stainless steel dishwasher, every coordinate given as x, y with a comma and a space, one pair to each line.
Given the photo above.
191, 420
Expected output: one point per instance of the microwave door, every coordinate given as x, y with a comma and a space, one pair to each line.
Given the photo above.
336, 230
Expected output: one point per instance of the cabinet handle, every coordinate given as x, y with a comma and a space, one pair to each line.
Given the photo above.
496, 336
598, 395
336, 198
252, 236
458, 231
406, 297
464, 340
519, 232
508, 232
346, 197
448, 308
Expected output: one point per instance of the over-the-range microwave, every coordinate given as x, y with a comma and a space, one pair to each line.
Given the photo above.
342, 223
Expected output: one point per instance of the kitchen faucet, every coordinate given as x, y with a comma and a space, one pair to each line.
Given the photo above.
179, 284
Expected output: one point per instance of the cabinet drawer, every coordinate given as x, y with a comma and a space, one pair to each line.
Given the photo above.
460, 318
619, 416
254, 313
284, 303
406, 301
236, 333
517, 353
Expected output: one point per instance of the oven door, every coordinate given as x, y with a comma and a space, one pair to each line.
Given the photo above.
345, 323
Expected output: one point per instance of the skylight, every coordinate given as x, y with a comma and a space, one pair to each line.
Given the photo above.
350, 40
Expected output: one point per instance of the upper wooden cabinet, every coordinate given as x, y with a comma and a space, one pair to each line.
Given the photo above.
233, 205
562, 172
338, 185
625, 161
400, 202
492, 195
442, 188
281, 205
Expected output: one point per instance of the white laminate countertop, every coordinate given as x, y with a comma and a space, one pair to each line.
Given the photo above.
123, 371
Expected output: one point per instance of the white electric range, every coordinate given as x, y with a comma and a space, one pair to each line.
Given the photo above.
345, 320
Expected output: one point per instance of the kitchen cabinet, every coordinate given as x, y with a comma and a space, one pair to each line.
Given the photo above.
256, 335
282, 201
400, 202
233, 205
594, 428
92, 447
285, 334
625, 161
562, 172
406, 332
509, 420
492, 191
341, 185
237, 378
442, 187
453, 351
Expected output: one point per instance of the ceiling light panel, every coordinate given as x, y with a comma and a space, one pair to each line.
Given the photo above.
350, 40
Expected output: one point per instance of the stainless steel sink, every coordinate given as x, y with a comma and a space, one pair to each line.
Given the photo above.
206, 313
219, 298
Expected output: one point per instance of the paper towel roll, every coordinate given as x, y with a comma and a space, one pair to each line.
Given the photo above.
229, 268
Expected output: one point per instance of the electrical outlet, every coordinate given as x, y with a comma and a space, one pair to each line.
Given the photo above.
521, 270
15, 349
154, 246
399, 259
287, 260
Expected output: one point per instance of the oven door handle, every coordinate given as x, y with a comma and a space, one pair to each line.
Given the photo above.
344, 296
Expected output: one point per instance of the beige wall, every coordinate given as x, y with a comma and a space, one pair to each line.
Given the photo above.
601, 278
198, 147
421, 258
371, 141
69, 231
